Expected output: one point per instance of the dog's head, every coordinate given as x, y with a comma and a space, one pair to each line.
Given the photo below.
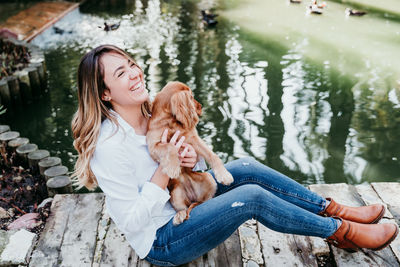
182, 105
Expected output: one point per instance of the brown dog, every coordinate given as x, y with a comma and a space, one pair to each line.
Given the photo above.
174, 108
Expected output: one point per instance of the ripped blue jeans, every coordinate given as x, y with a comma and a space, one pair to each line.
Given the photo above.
258, 192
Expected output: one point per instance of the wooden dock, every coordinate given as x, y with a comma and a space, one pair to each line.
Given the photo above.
30, 22
80, 233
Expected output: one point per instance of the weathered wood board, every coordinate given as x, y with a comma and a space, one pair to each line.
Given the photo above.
250, 243
79, 232
47, 250
347, 194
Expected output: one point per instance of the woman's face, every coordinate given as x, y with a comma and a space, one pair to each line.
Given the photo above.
124, 80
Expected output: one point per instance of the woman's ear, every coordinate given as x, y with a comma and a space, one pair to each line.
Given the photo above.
106, 95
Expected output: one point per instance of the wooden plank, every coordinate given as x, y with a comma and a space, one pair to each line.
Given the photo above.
348, 195
32, 21
47, 250
102, 228
285, 249
116, 250
341, 193
390, 194
225, 254
369, 196
80, 235
250, 243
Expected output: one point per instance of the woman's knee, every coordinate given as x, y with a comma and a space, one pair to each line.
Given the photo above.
247, 160
251, 192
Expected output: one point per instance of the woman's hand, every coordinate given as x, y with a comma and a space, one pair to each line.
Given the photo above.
187, 155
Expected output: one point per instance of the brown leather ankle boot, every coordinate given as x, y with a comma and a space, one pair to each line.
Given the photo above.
352, 236
365, 214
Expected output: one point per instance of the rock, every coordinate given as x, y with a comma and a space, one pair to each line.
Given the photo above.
27, 221
17, 179
18, 249
3, 213
44, 202
10, 211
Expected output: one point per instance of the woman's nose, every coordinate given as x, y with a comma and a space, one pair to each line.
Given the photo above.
134, 73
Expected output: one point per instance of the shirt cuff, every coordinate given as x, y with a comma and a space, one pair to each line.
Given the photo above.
200, 165
155, 195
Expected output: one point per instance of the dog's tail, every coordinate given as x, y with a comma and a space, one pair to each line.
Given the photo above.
191, 207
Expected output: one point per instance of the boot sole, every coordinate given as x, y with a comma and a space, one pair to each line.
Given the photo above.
377, 219
389, 241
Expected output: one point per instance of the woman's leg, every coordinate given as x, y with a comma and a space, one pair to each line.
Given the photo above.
249, 171
215, 220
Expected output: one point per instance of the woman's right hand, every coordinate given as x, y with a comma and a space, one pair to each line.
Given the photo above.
174, 140
159, 177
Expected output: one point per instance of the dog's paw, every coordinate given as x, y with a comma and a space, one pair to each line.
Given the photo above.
179, 217
223, 176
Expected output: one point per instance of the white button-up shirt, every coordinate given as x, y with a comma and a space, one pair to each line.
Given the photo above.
123, 168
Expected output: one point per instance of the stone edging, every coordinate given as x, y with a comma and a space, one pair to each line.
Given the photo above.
16, 245
25, 85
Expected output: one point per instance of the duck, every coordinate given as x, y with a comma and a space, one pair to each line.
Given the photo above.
111, 27
209, 18
59, 30
353, 12
314, 9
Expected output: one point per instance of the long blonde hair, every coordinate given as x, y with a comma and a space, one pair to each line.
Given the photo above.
92, 110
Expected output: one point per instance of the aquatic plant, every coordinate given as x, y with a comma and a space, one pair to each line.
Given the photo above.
12, 57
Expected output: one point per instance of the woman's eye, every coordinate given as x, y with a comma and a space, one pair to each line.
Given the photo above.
120, 74
132, 65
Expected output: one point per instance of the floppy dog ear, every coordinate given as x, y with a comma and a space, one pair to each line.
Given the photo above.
183, 109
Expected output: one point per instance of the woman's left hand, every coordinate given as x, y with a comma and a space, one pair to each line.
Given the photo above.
188, 156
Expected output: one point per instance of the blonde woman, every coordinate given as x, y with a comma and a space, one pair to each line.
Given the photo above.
109, 129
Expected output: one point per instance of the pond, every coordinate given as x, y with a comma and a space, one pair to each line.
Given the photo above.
313, 96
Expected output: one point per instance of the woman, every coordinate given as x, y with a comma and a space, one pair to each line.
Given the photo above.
109, 129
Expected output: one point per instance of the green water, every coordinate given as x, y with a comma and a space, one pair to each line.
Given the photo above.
315, 97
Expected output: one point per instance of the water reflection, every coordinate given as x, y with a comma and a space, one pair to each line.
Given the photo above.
307, 118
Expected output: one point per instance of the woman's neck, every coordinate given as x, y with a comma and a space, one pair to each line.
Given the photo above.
134, 117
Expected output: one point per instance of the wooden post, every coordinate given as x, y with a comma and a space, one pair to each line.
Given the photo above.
59, 185
7, 136
23, 151
40, 71
4, 138
5, 93
49, 162
4, 128
34, 81
15, 143
24, 85
55, 171
41, 65
15, 94
34, 158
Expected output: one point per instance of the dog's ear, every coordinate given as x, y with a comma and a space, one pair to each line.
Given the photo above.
183, 109
198, 107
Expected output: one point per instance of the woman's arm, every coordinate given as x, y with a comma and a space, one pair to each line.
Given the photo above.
160, 178
188, 158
